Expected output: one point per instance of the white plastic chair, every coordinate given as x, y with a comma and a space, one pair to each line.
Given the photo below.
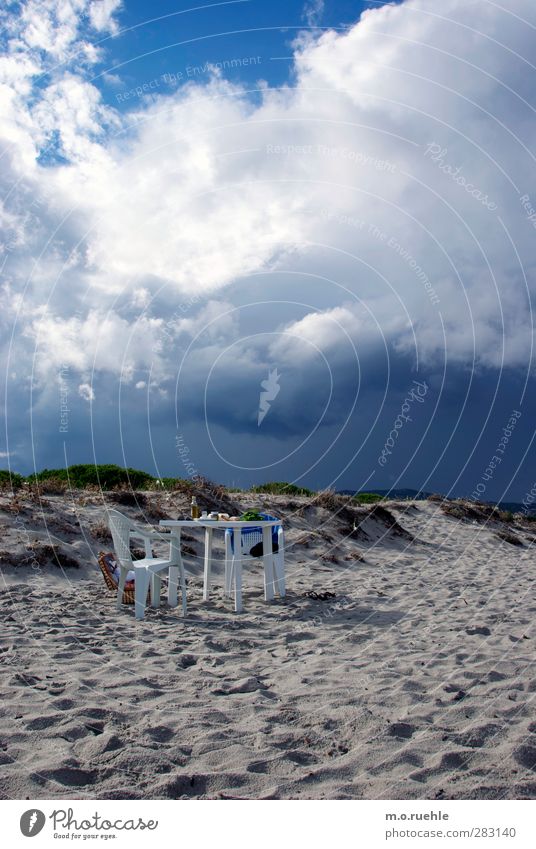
274, 567
150, 568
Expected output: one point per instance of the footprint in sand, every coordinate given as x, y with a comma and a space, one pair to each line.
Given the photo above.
401, 730
63, 704
185, 785
40, 723
160, 733
525, 755
93, 747
450, 761
66, 775
478, 736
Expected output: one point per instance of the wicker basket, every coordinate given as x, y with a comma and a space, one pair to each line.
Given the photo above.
106, 564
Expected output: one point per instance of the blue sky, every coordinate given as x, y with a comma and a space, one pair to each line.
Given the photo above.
177, 39
315, 206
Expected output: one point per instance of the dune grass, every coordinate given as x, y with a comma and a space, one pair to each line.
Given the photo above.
281, 488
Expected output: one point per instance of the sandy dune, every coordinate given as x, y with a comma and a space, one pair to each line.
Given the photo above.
417, 680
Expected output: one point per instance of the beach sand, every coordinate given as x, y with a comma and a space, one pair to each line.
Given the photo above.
416, 681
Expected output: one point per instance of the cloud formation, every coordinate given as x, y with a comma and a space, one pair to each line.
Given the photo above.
385, 182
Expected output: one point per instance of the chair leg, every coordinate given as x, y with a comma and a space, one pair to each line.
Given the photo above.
268, 558
156, 589
237, 575
173, 581
121, 585
141, 587
229, 577
175, 571
237, 570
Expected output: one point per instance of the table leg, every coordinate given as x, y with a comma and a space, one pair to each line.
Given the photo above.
237, 569
228, 582
208, 563
279, 564
268, 558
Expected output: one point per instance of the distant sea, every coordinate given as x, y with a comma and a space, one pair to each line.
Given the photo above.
418, 495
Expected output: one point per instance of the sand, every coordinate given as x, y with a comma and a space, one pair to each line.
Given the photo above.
416, 681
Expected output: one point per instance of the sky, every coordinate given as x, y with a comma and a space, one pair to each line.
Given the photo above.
271, 241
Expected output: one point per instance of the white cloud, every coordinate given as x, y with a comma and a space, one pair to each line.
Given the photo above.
50, 25
313, 11
95, 342
73, 109
216, 320
101, 13
86, 392
141, 297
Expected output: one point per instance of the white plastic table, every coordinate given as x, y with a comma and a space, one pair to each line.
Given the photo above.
209, 525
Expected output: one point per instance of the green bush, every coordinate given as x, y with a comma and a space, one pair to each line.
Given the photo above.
177, 484
368, 497
281, 488
10, 480
45, 474
107, 476
163, 483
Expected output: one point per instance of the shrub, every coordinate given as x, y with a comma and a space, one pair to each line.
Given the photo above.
177, 484
170, 485
44, 474
213, 493
128, 498
155, 511
281, 488
107, 476
52, 486
10, 480
506, 516
368, 497
507, 537
101, 531
330, 500
41, 553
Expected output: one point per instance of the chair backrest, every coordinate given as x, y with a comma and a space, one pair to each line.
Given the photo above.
120, 526
251, 536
